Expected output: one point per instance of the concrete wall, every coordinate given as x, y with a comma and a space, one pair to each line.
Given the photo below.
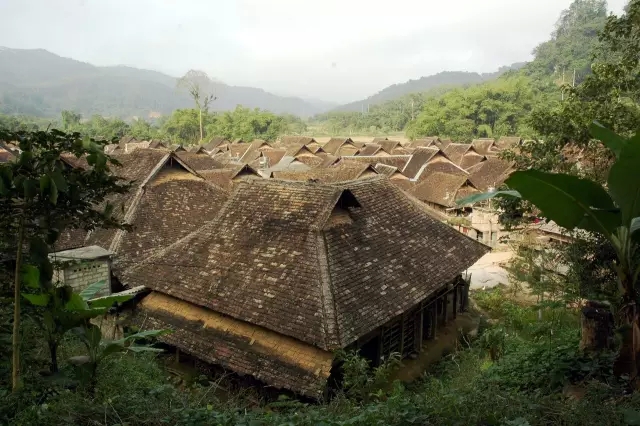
80, 275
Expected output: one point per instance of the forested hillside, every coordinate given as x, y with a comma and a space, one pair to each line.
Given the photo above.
423, 84
40, 83
493, 108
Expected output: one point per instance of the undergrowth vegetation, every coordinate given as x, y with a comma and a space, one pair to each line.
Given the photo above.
539, 377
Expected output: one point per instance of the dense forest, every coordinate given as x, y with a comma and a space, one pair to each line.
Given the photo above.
181, 127
425, 84
494, 108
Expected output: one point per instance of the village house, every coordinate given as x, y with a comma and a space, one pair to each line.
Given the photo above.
286, 273
81, 267
442, 191
342, 147
167, 201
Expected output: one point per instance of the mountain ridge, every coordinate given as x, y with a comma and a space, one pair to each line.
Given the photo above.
41, 83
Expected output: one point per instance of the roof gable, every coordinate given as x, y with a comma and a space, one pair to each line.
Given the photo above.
388, 146
455, 151
490, 173
369, 149
419, 158
440, 188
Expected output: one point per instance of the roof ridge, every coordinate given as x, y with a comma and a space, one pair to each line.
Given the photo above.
330, 325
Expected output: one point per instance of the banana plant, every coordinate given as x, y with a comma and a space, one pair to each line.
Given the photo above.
613, 212
62, 309
98, 349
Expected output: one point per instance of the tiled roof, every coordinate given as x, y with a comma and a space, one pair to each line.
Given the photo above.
390, 258
490, 173
174, 204
455, 151
315, 147
296, 149
440, 188
402, 151
199, 161
471, 158
424, 142
398, 161
310, 160
483, 145
280, 361
404, 184
328, 160
222, 178
268, 248
268, 240
443, 165
273, 155
337, 173
334, 145
443, 143
215, 142
148, 168
74, 162
237, 150
385, 169
388, 146
419, 158
253, 151
369, 149
157, 144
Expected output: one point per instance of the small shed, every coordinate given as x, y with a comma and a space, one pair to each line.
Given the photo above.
81, 267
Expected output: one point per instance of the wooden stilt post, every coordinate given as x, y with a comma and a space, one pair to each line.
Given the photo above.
455, 301
420, 330
434, 319
445, 304
402, 336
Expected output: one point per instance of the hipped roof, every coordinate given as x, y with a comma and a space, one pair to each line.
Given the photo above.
199, 161
271, 237
398, 161
490, 173
420, 157
441, 188
334, 145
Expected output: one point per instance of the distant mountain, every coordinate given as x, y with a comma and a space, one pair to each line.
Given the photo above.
41, 83
423, 84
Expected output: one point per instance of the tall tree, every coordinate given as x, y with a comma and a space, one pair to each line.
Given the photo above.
41, 194
196, 83
70, 119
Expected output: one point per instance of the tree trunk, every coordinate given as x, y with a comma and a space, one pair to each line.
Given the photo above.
597, 327
627, 362
629, 321
53, 352
15, 342
201, 133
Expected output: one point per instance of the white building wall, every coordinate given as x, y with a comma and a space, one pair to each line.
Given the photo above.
80, 275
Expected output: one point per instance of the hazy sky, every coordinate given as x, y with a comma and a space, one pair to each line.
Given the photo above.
336, 50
